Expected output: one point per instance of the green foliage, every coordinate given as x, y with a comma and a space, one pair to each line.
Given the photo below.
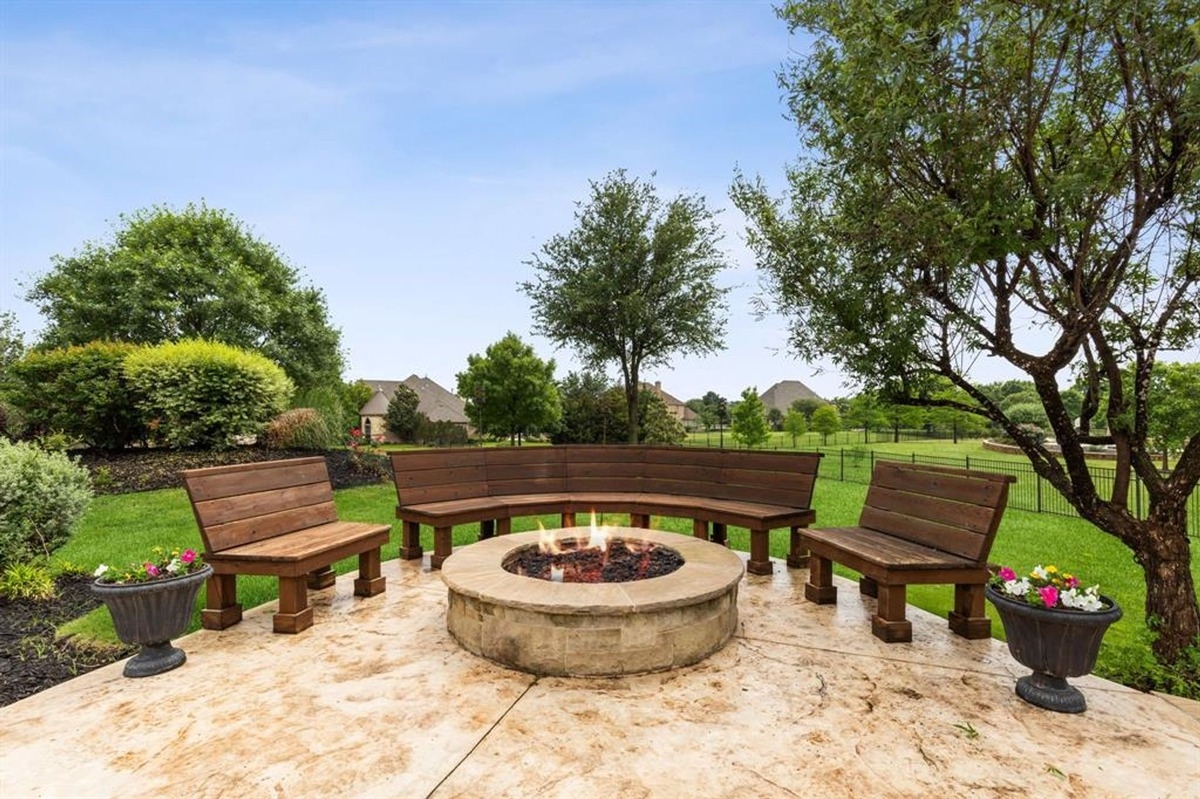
826, 420
795, 424
509, 391
42, 496
587, 410
198, 272
27, 581
442, 433
206, 394
1174, 405
633, 284
401, 416
337, 402
657, 424
750, 420
80, 391
775, 419
806, 406
298, 428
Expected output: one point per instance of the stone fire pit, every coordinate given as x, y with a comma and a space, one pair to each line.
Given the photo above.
592, 629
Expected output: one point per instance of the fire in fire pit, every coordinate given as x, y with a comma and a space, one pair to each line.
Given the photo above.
580, 560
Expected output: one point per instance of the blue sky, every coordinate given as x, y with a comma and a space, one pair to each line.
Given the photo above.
406, 157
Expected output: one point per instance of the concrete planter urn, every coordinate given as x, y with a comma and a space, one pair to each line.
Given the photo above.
150, 614
1055, 643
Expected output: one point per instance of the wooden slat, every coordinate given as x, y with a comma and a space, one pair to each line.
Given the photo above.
684, 456
882, 550
244, 531
952, 540
213, 512
440, 476
441, 493
529, 485
979, 488
937, 509
224, 481
523, 456
416, 460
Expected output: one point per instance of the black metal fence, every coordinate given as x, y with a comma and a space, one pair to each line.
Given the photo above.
1030, 492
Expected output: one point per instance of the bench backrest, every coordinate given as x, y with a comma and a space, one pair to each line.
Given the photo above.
952, 510
777, 478
244, 503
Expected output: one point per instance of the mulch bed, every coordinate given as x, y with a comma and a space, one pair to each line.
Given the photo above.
31, 660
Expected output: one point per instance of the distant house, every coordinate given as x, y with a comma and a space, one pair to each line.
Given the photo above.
686, 416
785, 392
435, 402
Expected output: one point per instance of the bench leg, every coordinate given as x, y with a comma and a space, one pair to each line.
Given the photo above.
410, 541
868, 587
221, 606
889, 624
503, 526
968, 618
700, 529
797, 553
718, 534
294, 613
487, 528
321, 578
820, 587
442, 546
760, 552
640, 520
370, 574
567, 519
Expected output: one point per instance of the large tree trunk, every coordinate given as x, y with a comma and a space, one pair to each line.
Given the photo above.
1160, 546
631, 404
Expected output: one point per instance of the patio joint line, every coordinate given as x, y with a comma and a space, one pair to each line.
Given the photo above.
482, 738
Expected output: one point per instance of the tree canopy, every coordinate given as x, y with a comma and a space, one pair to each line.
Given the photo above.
510, 391
1014, 181
749, 420
198, 272
633, 284
401, 415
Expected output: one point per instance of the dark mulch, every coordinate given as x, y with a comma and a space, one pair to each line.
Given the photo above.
31, 660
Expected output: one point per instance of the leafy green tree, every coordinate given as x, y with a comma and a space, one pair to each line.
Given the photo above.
1174, 406
12, 344
195, 273
749, 420
826, 420
586, 416
658, 425
401, 416
634, 283
806, 406
509, 391
866, 412
1011, 180
775, 418
795, 424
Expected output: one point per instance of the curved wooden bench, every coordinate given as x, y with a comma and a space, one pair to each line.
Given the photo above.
919, 525
277, 518
757, 490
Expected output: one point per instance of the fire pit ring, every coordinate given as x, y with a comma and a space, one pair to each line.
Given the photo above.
592, 629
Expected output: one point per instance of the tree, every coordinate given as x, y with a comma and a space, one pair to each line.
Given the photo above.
865, 411
586, 417
1174, 406
775, 418
509, 391
1013, 180
795, 425
826, 420
196, 273
806, 405
749, 420
401, 416
634, 283
657, 424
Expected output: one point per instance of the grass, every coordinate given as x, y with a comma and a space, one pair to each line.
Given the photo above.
120, 528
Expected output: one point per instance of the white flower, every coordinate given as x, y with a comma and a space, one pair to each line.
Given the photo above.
1017, 587
100, 570
1040, 573
174, 566
1081, 600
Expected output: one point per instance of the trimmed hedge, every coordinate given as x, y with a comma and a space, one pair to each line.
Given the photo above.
42, 496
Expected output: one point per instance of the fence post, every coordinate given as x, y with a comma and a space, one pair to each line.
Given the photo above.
1039, 492
968, 459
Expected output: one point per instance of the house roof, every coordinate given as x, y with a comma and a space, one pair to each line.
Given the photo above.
669, 399
434, 401
785, 392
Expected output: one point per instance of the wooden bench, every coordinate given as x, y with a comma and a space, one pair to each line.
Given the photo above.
757, 490
277, 518
920, 524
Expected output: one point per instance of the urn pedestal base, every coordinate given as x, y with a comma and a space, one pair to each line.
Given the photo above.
154, 659
1051, 693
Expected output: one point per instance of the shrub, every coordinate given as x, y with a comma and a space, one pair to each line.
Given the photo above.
299, 428
206, 394
27, 581
42, 496
80, 392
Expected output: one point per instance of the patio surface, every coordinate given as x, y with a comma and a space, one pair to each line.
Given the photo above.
376, 699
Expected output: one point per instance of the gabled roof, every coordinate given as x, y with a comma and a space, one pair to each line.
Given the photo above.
434, 401
785, 392
670, 400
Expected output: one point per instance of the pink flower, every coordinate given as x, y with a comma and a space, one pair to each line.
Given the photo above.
188, 556
151, 570
1049, 595
1007, 574
1072, 582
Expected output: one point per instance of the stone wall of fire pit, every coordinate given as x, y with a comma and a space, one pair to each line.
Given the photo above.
592, 629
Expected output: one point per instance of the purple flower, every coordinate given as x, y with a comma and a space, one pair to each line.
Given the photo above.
1007, 574
1049, 595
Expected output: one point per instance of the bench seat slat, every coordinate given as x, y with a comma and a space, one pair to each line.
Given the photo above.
246, 478
214, 512
219, 537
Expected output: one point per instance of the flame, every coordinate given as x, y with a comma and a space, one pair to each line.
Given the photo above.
599, 536
547, 541
556, 574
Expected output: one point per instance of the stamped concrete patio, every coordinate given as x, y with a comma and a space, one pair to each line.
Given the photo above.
378, 700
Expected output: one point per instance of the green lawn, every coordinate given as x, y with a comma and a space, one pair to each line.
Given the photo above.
117, 529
